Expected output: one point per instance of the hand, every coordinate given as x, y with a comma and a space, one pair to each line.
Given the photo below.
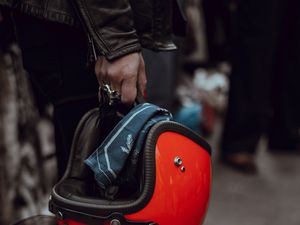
126, 75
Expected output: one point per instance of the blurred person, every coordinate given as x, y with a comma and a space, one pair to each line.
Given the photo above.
24, 149
264, 82
195, 43
284, 130
58, 38
163, 65
218, 26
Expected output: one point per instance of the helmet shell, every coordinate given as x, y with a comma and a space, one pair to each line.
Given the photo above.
182, 192
172, 192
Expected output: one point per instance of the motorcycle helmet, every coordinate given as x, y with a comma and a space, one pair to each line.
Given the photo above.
174, 179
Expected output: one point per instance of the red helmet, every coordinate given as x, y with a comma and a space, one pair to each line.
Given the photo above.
175, 180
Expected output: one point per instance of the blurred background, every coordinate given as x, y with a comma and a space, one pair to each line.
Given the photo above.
234, 80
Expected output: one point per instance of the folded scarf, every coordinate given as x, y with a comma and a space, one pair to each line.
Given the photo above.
121, 148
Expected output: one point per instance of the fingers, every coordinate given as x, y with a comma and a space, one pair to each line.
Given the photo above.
114, 78
142, 79
108, 73
129, 91
125, 75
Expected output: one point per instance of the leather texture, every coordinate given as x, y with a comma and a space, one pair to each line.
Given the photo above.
117, 27
153, 23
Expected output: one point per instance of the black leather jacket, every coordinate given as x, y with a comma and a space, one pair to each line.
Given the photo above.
117, 27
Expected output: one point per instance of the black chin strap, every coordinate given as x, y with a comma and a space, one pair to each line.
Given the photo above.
118, 219
113, 219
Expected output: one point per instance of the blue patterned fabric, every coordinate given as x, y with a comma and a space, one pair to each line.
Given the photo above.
121, 148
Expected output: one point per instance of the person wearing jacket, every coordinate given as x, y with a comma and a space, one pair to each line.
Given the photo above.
264, 83
59, 38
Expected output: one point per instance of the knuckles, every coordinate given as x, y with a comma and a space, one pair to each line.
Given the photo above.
143, 83
119, 75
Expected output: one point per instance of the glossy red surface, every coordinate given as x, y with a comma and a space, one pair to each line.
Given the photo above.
69, 222
73, 222
180, 198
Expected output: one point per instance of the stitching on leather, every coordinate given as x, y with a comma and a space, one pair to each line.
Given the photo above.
92, 25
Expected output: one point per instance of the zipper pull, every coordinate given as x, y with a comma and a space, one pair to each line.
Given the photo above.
92, 55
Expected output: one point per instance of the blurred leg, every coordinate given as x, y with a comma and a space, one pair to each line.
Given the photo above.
55, 57
284, 130
249, 108
161, 73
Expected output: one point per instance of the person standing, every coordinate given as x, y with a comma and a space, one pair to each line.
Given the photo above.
259, 65
58, 38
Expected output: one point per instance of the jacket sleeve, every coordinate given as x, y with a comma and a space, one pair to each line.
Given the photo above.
110, 25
